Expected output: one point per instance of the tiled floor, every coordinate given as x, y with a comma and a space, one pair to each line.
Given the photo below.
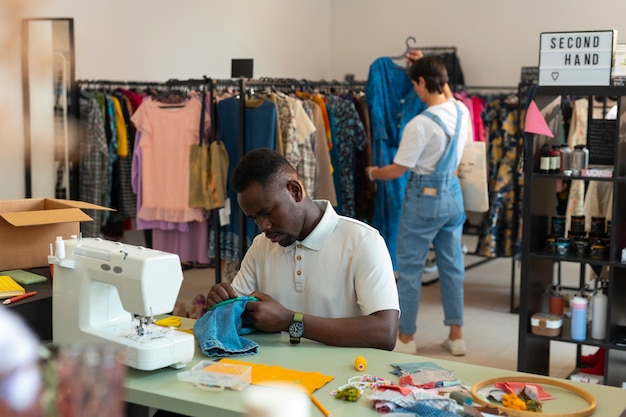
490, 330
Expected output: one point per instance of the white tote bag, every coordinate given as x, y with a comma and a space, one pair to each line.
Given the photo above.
473, 177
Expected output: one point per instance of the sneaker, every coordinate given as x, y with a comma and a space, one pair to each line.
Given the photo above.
430, 265
401, 347
456, 347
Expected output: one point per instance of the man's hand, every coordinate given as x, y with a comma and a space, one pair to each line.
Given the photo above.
267, 314
413, 55
220, 292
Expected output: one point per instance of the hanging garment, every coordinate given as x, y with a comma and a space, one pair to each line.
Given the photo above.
392, 102
127, 198
498, 234
324, 185
260, 132
365, 190
167, 134
94, 158
191, 246
349, 137
136, 182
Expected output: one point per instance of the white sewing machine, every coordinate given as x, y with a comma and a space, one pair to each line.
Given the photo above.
109, 292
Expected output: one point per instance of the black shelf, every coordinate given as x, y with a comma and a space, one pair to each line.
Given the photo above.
578, 177
538, 275
577, 259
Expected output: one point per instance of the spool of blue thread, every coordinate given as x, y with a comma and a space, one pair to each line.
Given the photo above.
461, 398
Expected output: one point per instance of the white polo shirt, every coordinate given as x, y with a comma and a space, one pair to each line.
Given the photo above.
342, 269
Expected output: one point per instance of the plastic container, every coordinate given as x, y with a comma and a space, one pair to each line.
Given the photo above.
580, 159
545, 324
566, 159
599, 303
557, 303
578, 307
217, 376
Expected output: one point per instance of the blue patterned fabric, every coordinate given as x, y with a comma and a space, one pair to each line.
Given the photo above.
392, 103
219, 331
348, 136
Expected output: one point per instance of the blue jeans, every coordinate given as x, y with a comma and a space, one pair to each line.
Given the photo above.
438, 219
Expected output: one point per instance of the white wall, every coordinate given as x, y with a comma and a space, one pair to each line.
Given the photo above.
155, 40
495, 38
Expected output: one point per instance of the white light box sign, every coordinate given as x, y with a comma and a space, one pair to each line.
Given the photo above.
576, 58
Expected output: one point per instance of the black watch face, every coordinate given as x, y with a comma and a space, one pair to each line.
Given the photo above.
296, 329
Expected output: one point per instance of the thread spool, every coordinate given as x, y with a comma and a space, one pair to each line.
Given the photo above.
557, 301
360, 364
60, 247
599, 304
461, 398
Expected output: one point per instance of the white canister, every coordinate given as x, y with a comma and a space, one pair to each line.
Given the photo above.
599, 304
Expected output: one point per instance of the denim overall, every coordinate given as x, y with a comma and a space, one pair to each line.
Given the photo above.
432, 211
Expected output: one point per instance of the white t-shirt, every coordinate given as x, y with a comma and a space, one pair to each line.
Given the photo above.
424, 142
342, 269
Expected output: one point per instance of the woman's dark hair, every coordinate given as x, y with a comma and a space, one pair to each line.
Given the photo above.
259, 166
433, 69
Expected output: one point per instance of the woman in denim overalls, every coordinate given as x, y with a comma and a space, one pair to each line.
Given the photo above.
431, 148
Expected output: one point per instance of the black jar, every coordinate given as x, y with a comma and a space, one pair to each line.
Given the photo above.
558, 226
580, 247
598, 227
598, 249
562, 246
577, 225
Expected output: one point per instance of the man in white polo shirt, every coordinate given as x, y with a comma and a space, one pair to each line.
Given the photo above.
316, 274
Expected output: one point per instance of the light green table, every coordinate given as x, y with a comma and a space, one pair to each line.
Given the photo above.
162, 390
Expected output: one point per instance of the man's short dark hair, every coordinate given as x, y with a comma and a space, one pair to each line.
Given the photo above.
433, 69
259, 166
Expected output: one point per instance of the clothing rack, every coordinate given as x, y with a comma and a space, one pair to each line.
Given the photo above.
171, 83
282, 84
518, 93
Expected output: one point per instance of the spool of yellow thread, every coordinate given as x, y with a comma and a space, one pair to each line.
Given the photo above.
360, 363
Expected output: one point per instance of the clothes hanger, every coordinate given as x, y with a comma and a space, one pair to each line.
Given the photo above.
408, 48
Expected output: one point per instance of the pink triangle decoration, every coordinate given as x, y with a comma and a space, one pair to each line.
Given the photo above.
535, 122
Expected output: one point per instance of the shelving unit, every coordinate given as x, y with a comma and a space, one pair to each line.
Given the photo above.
537, 273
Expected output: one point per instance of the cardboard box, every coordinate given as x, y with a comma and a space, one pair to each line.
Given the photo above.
29, 226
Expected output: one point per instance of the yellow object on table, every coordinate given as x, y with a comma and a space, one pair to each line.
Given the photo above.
169, 322
360, 363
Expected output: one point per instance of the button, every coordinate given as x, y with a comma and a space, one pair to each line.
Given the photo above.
117, 269
299, 258
299, 245
398, 125
298, 272
105, 267
402, 100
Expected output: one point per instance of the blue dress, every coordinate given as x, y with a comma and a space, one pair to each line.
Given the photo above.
392, 103
260, 133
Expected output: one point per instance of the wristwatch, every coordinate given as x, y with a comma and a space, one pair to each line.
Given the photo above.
296, 328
